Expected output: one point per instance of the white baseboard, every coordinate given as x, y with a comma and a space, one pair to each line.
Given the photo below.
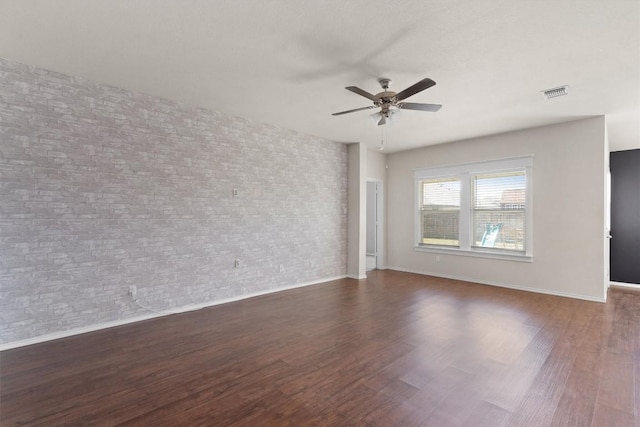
183, 309
504, 285
625, 285
352, 276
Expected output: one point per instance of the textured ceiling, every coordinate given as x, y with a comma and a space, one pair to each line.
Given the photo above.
286, 62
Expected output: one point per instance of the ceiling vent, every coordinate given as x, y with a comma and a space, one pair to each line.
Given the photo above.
556, 91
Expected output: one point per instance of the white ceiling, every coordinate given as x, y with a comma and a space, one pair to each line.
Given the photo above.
286, 62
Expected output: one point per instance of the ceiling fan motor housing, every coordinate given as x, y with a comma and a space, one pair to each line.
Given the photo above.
384, 98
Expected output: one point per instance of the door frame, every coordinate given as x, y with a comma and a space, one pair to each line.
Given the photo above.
380, 243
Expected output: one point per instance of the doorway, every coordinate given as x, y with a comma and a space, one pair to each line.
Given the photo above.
375, 209
625, 217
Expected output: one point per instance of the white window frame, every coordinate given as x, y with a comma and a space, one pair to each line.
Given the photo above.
465, 172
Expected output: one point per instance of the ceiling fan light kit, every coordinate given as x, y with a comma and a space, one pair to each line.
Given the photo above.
390, 116
390, 102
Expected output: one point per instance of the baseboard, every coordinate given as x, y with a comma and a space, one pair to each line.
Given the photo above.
183, 309
504, 285
625, 285
353, 276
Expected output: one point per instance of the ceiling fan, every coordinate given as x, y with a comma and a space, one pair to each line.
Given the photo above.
389, 101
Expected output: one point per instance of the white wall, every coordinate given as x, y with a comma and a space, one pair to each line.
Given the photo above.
376, 165
607, 211
357, 215
568, 209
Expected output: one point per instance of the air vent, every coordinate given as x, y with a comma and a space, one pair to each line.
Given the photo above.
556, 91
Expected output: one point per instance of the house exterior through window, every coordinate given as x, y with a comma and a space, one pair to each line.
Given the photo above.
479, 209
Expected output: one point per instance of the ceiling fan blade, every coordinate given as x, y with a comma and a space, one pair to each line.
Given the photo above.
421, 107
355, 109
412, 90
360, 92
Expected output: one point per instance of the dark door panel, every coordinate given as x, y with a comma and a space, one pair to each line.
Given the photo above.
625, 216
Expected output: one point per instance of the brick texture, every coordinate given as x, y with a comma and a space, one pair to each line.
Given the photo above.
102, 188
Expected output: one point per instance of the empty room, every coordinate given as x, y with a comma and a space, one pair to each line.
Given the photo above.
320, 213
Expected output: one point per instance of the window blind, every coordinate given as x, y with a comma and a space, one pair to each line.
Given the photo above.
440, 211
499, 210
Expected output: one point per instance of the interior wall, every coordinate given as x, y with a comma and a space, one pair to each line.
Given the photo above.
376, 165
568, 209
607, 209
104, 188
357, 222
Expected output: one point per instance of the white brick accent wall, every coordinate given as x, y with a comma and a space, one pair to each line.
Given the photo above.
102, 188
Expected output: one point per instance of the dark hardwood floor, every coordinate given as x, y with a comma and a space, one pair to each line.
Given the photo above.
396, 349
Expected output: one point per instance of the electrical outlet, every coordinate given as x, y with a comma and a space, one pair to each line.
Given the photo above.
236, 263
235, 192
133, 290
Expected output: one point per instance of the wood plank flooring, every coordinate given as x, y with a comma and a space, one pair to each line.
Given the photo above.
396, 349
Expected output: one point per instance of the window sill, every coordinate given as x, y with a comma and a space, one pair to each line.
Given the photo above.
475, 253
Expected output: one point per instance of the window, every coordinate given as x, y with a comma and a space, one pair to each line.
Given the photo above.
499, 210
440, 211
480, 209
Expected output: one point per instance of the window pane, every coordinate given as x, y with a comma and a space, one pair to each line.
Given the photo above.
499, 205
440, 211
499, 229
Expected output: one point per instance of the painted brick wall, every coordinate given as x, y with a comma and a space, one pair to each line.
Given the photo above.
102, 188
